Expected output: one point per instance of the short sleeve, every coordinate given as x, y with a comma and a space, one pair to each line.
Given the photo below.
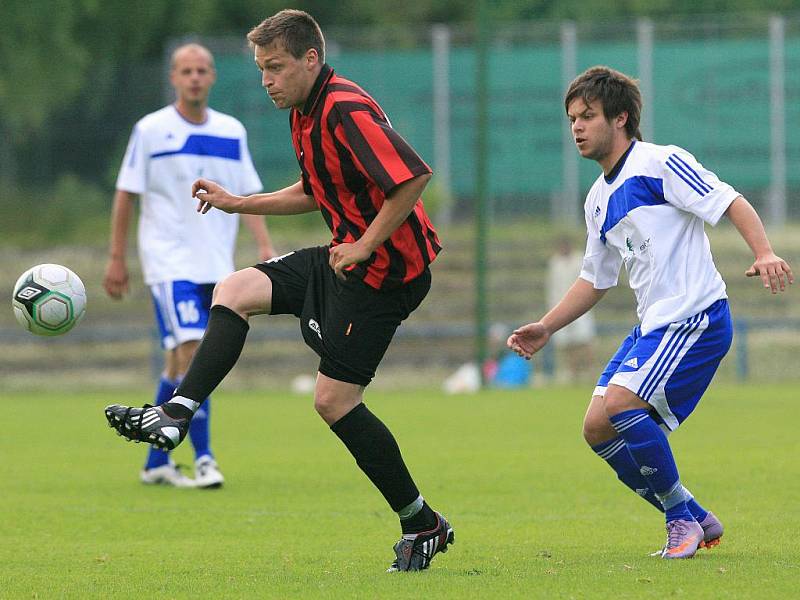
693, 188
250, 182
380, 153
133, 172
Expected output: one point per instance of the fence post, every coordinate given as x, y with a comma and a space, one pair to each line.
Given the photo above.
741, 327
777, 103
481, 181
565, 206
440, 35
644, 38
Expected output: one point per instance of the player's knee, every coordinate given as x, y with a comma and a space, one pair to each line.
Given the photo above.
224, 292
597, 429
325, 403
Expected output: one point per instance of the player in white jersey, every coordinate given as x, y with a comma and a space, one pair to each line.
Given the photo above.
647, 211
183, 254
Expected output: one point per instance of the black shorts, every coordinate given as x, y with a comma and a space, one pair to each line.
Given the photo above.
347, 323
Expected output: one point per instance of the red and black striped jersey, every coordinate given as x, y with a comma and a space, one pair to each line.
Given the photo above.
351, 159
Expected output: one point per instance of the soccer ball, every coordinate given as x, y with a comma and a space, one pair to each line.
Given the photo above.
49, 300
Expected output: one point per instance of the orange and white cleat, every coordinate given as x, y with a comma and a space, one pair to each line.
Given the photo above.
683, 539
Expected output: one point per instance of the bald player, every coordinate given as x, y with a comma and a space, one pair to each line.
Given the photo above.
183, 254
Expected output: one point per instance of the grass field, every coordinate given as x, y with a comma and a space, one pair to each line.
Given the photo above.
536, 514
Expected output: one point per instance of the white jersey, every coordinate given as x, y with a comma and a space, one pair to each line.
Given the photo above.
165, 155
650, 216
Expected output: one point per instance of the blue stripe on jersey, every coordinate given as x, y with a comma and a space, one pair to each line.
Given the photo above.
695, 175
207, 145
633, 193
689, 175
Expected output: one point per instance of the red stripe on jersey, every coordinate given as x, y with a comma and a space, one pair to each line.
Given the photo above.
351, 158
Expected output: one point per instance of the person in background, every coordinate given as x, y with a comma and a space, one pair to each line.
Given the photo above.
183, 254
574, 343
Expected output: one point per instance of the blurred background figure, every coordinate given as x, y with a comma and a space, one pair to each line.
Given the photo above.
503, 369
574, 343
183, 254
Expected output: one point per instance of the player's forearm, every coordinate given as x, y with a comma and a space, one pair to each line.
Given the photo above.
746, 220
578, 300
290, 200
395, 210
120, 223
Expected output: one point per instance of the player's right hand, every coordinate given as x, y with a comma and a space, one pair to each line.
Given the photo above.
528, 339
212, 195
115, 280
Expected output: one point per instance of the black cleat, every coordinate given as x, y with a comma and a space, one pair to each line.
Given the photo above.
415, 551
149, 424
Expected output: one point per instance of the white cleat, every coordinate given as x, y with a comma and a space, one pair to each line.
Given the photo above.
207, 474
166, 475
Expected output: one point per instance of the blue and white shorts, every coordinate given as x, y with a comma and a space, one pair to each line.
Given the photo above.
671, 367
181, 311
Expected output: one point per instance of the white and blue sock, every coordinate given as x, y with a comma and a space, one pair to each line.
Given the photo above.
159, 458
650, 450
615, 452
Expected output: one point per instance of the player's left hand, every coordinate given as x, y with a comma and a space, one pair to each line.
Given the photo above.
346, 255
773, 270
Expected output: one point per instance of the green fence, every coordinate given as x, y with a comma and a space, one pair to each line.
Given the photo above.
710, 95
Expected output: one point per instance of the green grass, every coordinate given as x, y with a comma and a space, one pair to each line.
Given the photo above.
536, 514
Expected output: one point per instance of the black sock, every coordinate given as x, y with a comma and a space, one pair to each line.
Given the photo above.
217, 353
378, 455
424, 520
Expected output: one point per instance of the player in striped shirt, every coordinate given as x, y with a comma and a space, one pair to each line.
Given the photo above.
647, 211
350, 296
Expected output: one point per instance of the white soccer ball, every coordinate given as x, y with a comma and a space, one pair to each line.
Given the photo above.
49, 300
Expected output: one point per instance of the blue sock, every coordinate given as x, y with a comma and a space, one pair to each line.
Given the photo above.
698, 512
199, 430
159, 458
650, 450
619, 458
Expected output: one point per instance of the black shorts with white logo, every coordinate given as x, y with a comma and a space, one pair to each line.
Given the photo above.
347, 323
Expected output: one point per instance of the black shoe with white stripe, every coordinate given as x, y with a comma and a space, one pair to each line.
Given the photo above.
149, 424
415, 551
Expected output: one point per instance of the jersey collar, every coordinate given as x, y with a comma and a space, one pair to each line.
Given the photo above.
324, 76
612, 175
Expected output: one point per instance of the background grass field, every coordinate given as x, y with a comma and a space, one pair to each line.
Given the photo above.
536, 514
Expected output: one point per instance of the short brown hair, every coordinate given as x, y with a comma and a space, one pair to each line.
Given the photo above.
296, 29
617, 93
